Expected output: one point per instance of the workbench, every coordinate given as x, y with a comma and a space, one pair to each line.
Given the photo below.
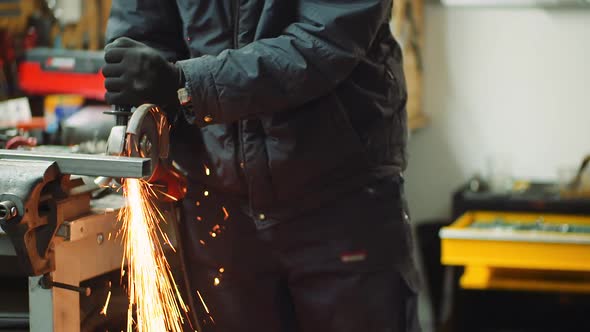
65, 240
62, 238
88, 250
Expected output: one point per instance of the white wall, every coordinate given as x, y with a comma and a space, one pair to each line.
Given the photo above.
502, 83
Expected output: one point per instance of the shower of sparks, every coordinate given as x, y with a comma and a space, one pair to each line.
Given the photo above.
225, 213
154, 297
106, 305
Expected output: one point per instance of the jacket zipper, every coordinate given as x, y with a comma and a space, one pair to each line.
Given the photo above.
241, 152
236, 27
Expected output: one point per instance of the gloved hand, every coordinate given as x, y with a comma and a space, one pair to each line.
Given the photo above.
136, 74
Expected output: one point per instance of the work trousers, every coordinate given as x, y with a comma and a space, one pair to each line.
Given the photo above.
346, 267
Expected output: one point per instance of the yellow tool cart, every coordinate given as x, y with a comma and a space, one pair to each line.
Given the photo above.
520, 251
517, 259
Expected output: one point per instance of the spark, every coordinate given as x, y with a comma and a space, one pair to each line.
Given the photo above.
225, 213
202, 242
135, 146
216, 228
206, 193
174, 199
106, 305
168, 242
207, 170
154, 298
213, 234
221, 270
199, 218
161, 123
216, 281
198, 203
160, 189
203, 302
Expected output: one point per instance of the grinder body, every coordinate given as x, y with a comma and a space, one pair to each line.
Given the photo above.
145, 132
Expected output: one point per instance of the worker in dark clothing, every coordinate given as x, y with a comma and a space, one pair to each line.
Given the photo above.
288, 117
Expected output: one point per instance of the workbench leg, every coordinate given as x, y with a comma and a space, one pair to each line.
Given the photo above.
40, 307
53, 309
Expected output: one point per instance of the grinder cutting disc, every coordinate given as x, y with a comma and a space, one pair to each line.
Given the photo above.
146, 133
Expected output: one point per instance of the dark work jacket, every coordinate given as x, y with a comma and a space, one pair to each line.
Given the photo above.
304, 100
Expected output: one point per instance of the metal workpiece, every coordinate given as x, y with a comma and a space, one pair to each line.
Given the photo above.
87, 164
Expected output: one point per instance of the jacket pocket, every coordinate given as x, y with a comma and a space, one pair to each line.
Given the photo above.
397, 98
343, 123
310, 148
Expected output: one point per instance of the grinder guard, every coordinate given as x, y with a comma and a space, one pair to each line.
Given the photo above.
147, 135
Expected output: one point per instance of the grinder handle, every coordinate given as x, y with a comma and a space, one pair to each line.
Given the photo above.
122, 114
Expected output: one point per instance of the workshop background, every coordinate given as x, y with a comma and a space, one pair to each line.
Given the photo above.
499, 107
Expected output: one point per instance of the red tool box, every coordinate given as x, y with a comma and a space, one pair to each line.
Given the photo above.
58, 71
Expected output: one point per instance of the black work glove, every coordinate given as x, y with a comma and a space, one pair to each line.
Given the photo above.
136, 74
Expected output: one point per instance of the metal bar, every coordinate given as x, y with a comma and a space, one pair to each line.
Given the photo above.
87, 164
47, 283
